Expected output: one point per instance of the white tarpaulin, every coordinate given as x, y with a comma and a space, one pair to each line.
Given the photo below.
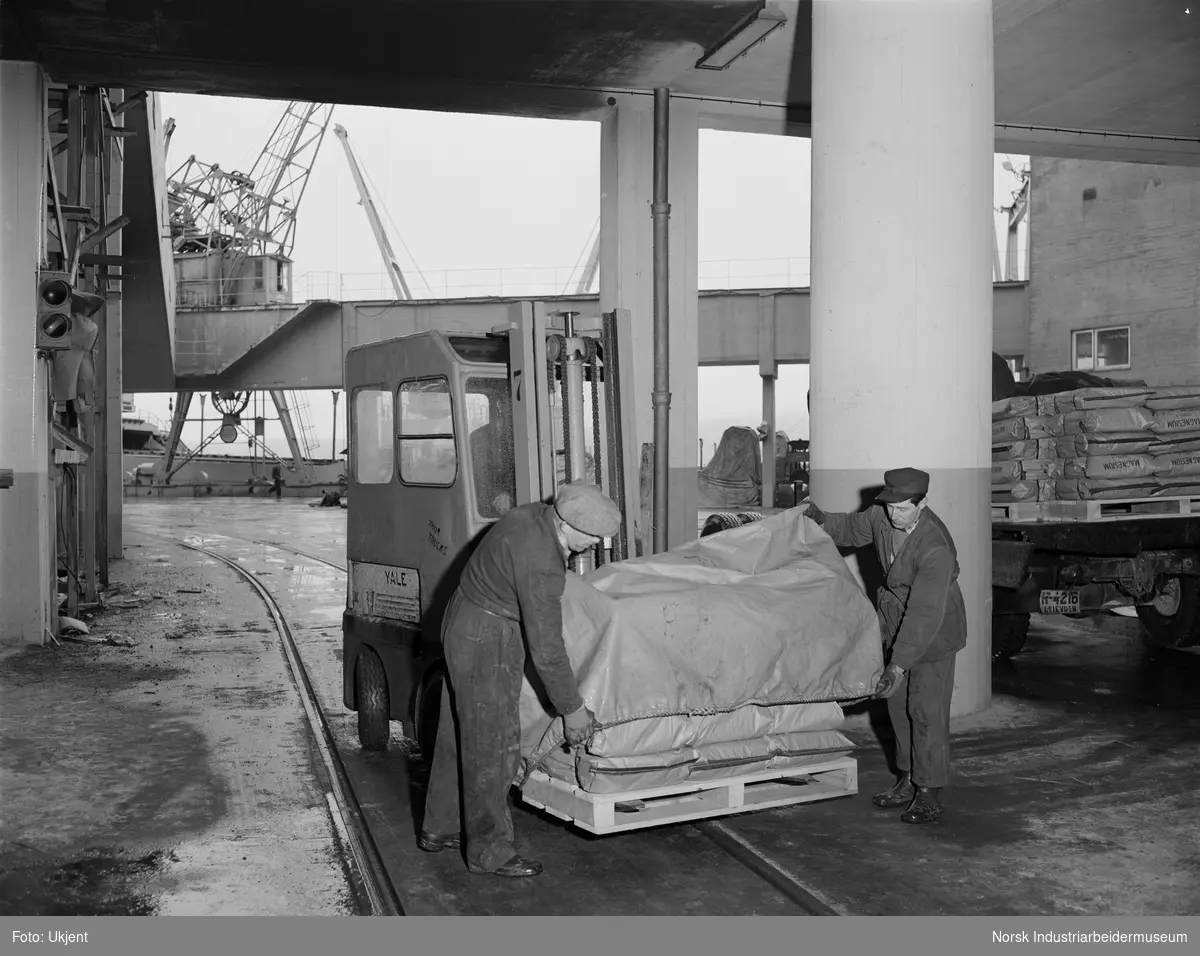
734, 646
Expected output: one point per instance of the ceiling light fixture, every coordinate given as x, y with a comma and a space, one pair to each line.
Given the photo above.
741, 39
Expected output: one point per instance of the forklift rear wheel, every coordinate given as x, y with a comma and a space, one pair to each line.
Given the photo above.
372, 701
1173, 618
1008, 635
427, 709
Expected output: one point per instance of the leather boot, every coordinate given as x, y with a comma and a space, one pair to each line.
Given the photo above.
434, 843
926, 806
900, 795
518, 867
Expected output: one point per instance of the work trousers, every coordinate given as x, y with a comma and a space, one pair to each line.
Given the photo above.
479, 734
920, 712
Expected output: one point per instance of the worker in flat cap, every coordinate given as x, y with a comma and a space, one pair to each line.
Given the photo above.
924, 625
512, 583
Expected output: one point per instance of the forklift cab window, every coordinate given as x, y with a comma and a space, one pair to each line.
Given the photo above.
427, 455
493, 460
372, 448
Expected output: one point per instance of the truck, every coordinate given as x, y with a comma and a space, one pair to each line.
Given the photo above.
1081, 557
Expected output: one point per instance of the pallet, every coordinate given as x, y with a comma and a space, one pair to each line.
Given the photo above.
1092, 510
604, 813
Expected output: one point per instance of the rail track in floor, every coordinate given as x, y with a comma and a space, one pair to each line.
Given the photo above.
375, 882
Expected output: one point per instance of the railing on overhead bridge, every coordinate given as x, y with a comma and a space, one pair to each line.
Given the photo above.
791, 272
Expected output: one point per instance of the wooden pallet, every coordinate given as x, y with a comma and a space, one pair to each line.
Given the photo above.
604, 813
1111, 509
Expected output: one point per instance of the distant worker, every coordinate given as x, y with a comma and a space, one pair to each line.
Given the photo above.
276, 482
924, 624
513, 581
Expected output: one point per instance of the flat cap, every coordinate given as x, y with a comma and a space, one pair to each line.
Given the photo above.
901, 484
585, 507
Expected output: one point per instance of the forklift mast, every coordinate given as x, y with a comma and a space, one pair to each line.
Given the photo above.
562, 369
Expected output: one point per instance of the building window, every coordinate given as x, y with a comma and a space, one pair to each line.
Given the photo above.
372, 449
1100, 349
493, 455
426, 435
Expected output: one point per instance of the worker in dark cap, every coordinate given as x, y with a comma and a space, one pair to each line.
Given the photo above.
924, 625
513, 582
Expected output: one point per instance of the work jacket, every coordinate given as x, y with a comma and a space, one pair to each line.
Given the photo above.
921, 610
519, 572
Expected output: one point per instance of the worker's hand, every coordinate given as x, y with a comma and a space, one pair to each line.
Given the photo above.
579, 726
889, 681
812, 511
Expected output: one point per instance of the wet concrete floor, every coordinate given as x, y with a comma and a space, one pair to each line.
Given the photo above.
1076, 793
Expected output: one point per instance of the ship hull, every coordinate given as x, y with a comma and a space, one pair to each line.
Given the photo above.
225, 476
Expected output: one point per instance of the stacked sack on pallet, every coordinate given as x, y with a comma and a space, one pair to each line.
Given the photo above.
1097, 443
724, 656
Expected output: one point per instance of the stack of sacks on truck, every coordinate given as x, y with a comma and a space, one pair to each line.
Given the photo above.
722, 657
1097, 443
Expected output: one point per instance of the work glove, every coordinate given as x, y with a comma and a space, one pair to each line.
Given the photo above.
889, 681
579, 726
812, 511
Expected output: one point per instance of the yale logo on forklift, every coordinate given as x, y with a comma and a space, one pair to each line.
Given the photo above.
385, 591
1059, 602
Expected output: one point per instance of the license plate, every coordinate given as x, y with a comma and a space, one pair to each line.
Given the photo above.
1059, 602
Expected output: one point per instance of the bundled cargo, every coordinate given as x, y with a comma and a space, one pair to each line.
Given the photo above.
1018, 406
1112, 443
724, 656
1174, 396
1175, 444
1029, 450
1084, 489
1104, 421
1084, 399
1175, 421
1005, 431
1025, 490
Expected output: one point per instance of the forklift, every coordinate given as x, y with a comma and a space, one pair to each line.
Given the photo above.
449, 430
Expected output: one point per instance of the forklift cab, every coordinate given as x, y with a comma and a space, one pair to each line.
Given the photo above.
445, 438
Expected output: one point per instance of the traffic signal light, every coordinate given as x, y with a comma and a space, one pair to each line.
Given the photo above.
64, 326
54, 310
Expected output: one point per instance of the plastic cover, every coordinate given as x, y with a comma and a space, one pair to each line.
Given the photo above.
723, 639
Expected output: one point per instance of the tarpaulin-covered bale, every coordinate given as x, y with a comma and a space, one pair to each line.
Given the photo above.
733, 479
721, 657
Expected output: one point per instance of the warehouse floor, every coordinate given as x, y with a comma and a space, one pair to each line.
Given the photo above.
132, 785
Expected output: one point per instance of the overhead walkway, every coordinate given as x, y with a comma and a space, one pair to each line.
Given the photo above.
302, 345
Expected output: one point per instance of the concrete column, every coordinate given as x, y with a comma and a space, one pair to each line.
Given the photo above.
626, 282
901, 275
26, 515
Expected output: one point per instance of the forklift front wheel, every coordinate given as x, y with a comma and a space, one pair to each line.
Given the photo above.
427, 709
372, 701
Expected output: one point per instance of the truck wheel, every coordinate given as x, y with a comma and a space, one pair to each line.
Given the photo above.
372, 701
1008, 635
427, 709
1173, 619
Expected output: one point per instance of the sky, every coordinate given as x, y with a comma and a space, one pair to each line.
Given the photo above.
484, 205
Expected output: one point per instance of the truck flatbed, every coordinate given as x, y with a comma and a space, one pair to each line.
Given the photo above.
1093, 510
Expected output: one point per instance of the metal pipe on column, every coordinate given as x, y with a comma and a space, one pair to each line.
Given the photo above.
769, 450
660, 210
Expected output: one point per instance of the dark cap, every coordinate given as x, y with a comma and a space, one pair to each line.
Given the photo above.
902, 484
585, 507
